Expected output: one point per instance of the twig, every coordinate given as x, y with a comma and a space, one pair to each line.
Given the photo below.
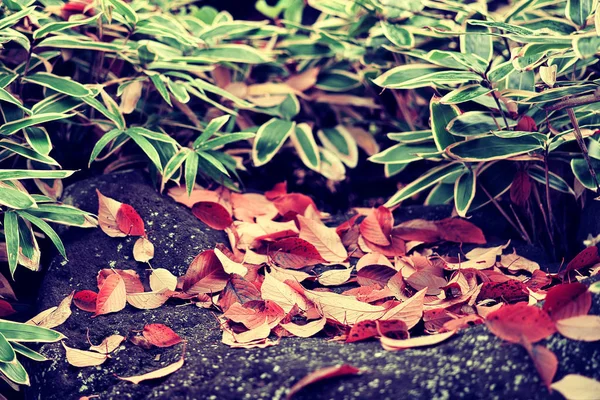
576, 101
583, 147
538, 199
500, 109
548, 201
523, 234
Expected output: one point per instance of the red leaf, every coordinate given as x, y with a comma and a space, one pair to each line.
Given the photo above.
449, 229
85, 300
545, 362
322, 374
212, 214
395, 329
161, 335
362, 331
238, 290
377, 275
520, 190
397, 248
294, 253
509, 291
6, 308
517, 321
205, 274
112, 296
377, 226
567, 300
586, 258
133, 284
289, 205
278, 190
539, 279
526, 124
461, 323
129, 221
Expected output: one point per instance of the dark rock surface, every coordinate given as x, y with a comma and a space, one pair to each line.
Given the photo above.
472, 364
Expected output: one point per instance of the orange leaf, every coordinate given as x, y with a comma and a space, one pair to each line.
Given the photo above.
567, 300
212, 214
107, 215
294, 253
307, 330
322, 374
545, 361
112, 295
278, 190
133, 284
85, 300
326, 241
291, 204
517, 321
161, 335
129, 221
377, 226
159, 373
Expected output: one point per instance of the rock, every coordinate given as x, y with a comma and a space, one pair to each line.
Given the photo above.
472, 364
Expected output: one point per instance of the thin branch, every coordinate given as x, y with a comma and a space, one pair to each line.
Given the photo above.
500, 109
576, 101
523, 234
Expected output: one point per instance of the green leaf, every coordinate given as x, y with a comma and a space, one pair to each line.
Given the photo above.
496, 177
79, 43
226, 138
411, 137
19, 332
586, 46
441, 193
7, 354
538, 174
56, 103
125, 10
465, 93
47, 229
304, 142
15, 126
12, 197
337, 80
63, 214
398, 35
213, 127
191, 170
38, 139
9, 98
60, 84
464, 192
158, 82
414, 76
424, 182
269, 139
579, 10
8, 174
489, 148
174, 164
15, 372
236, 53
103, 142
27, 352
203, 85
477, 41
11, 235
14, 18
581, 171
213, 161
339, 141
404, 153
390, 170
146, 147
441, 115
27, 152
476, 123
178, 90
54, 27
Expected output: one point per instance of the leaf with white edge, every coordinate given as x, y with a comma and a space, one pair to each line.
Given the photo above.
269, 139
14, 126
441, 115
341, 143
464, 94
464, 192
83, 358
59, 84
304, 141
491, 148
577, 11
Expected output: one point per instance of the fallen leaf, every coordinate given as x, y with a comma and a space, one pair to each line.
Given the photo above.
322, 374
373, 259
582, 327
514, 322
586, 258
141, 341
230, 266
281, 293
162, 279
159, 373
83, 358
109, 344
277, 191
335, 277
464, 322
409, 311
515, 262
133, 284
577, 387
251, 335
237, 290
129, 221
57, 317
291, 204
377, 226
567, 300
294, 253
107, 215
450, 229
375, 275
402, 344
112, 295
180, 195
324, 239
479, 258
345, 310
307, 330
143, 250
425, 278
212, 214
86, 300
248, 206
545, 361
368, 329
161, 335
147, 300
205, 274
510, 291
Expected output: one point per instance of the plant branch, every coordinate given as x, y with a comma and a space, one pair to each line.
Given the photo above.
522, 233
576, 101
500, 109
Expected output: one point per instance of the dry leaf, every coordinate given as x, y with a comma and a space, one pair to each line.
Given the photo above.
83, 358
117, 219
282, 294
56, 317
130, 96
162, 279
322, 374
86, 300
109, 344
161, 335
307, 330
230, 266
583, 327
143, 250
112, 296
402, 344
335, 277
326, 241
577, 387
205, 274
148, 300
159, 373
516, 322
